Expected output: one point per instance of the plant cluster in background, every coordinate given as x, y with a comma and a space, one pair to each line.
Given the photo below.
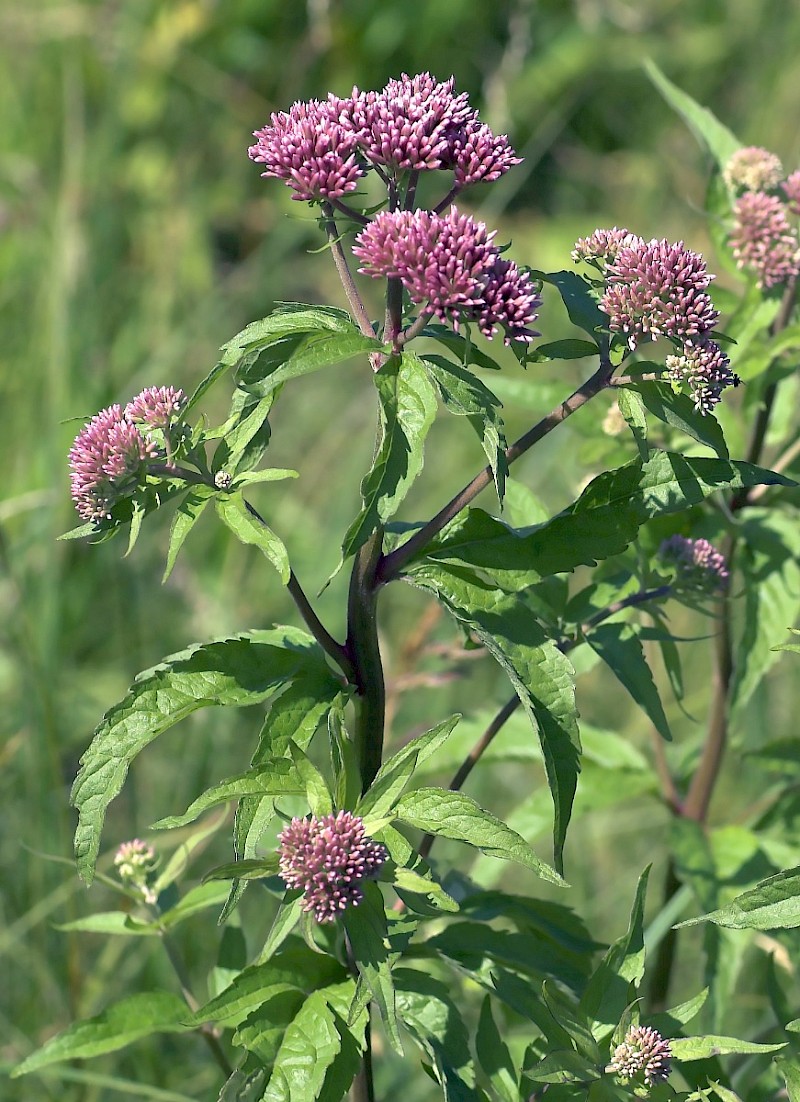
502, 995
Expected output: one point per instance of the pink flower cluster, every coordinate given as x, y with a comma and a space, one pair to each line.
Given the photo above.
644, 1055
109, 452
329, 858
321, 149
763, 240
660, 289
451, 263
698, 564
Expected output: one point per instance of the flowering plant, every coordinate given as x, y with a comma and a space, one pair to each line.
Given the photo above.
370, 935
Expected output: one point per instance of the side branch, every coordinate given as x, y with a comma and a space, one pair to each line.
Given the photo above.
393, 563
345, 275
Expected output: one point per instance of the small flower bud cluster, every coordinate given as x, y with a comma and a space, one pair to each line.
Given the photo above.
763, 240
643, 1056
660, 289
109, 452
329, 858
450, 262
697, 563
322, 149
135, 861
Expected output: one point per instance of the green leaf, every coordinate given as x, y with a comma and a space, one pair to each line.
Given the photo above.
289, 914
437, 1025
117, 1026
631, 407
769, 558
566, 1066
461, 346
790, 1070
569, 1015
708, 130
570, 349
234, 511
309, 1047
603, 521
578, 299
454, 815
542, 676
198, 899
186, 516
274, 778
700, 1048
620, 648
316, 787
774, 904
268, 474
677, 410
408, 409
465, 395
312, 352
247, 433
263, 1029
238, 671
109, 922
608, 992
251, 869
410, 881
670, 1021
368, 933
493, 1056
394, 774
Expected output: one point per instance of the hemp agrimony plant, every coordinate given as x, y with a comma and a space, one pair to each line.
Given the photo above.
378, 951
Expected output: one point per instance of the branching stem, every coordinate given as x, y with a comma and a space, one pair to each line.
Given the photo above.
345, 275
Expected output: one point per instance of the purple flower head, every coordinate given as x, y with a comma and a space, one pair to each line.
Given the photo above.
601, 246
658, 289
311, 149
450, 262
791, 189
156, 406
763, 240
475, 153
644, 1055
105, 458
329, 858
705, 369
753, 169
409, 123
697, 563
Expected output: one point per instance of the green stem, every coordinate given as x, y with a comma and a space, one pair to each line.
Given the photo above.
393, 564
357, 306
364, 653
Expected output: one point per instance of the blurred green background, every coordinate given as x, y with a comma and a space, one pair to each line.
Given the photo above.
135, 238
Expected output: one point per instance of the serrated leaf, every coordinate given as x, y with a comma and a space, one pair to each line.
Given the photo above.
670, 1021
408, 409
461, 346
570, 349
410, 881
250, 869
368, 933
310, 1044
620, 648
454, 815
493, 1056
603, 521
310, 353
709, 131
274, 778
790, 1070
437, 1025
186, 516
701, 1048
466, 396
631, 407
541, 675
392, 777
577, 298
677, 410
233, 511
569, 1015
566, 1066
197, 899
246, 435
118, 1025
289, 914
237, 671
316, 787
109, 922
608, 992
263, 1029
268, 474
769, 559
774, 904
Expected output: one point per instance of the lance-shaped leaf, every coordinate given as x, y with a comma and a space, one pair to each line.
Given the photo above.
774, 904
186, 516
608, 991
368, 933
310, 1045
579, 302
466, 396
394, 774
274, 778
603, 521
454, 815
238, 671
769, 559
494, 1058
246, 436
117, 1026
233, 510
437, 1026
700, 1048
709, 131
408, 408
678, 411
541, 675
620, 648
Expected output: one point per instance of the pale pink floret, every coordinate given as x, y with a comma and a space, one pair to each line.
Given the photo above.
705, 369
698, 563
658, 289
329, 858
644, 1055
791, 189
753, 169
602, 246
106, 455
762, 239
